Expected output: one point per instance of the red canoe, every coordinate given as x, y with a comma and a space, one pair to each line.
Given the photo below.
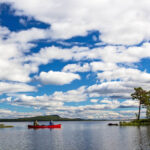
45, 126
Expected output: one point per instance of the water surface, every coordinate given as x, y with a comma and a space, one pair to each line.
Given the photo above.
82, 135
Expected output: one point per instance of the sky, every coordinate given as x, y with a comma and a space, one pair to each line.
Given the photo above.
73, 58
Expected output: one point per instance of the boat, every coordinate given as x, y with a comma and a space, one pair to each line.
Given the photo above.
45, 126
113, 124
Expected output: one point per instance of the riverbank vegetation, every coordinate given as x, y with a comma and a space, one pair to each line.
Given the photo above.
141, 122
5, 126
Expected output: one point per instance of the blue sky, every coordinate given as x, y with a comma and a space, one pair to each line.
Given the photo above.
73, 58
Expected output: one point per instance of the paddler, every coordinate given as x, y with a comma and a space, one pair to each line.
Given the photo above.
36, 123
51, 123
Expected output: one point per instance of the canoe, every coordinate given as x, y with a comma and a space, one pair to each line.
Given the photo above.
45, 126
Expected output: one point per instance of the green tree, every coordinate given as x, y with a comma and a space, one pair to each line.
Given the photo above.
142, 96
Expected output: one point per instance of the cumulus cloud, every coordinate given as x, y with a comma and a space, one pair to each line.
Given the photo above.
106, 101
48, 54
58, 99
15, 87
94, 100
14, 41
56, 104
75, 113
111, 89
93, 66
29, 35
57, 78
54, 100
15, 44
103, 66
129, 103
96, 111
36, 102
5, 113
89, 114
116, 89
119, 83
77, 95
119, 22
76, 68
125, 74
4, 32
108, 56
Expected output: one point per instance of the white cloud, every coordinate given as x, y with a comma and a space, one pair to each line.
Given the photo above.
15, 87
12, 58
110, 89
3, 32
49, 54
106, 101
76, 68
93, 66
107, 57
103, 66
119, 83
75, 112
53, 101
121, 54
57, 78
96, 111
5, 113
125, 74
36, 102
117, 89
129, 103
57, 99
94, 100
120, 22
89, 114
29, 35
71, 95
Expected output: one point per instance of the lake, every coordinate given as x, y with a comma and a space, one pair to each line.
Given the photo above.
75, 135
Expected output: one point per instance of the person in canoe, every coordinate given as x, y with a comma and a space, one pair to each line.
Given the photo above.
51, 122
36, 123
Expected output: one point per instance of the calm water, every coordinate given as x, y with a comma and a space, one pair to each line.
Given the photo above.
75, 136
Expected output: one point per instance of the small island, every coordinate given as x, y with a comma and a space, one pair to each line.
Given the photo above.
6, 126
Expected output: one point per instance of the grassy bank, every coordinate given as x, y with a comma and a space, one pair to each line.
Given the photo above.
4, 126
141, 122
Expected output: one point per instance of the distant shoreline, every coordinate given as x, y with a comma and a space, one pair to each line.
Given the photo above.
54, 118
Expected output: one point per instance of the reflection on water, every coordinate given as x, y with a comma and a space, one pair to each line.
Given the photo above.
75, 136
143, 140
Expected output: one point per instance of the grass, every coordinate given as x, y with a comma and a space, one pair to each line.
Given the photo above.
141, 122
4, 126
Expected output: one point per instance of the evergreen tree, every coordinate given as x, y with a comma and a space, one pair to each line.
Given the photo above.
142, 96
